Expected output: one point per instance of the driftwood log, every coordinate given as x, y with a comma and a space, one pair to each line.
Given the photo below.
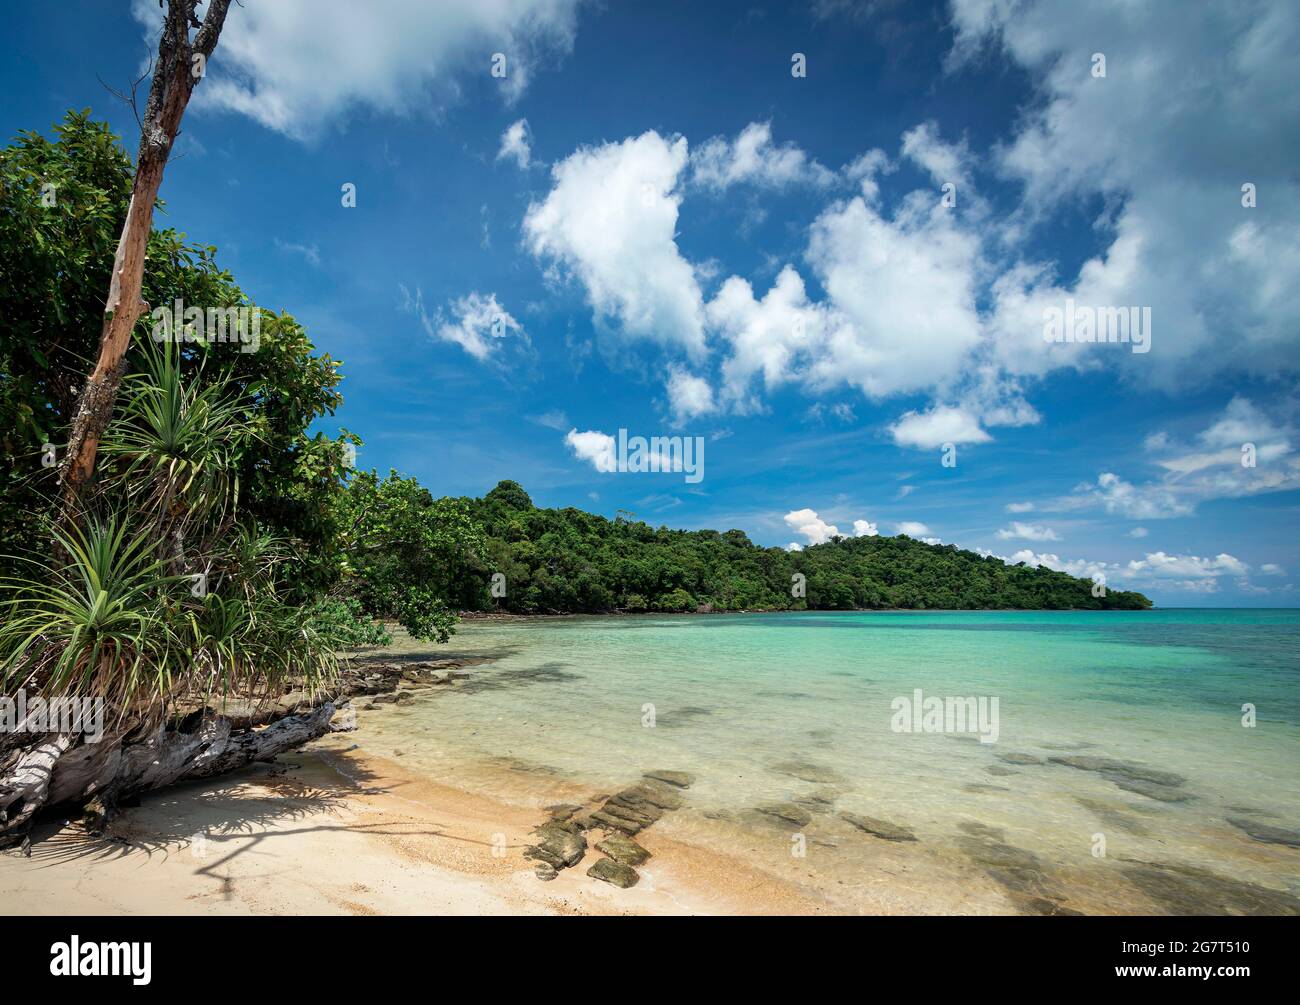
57, 773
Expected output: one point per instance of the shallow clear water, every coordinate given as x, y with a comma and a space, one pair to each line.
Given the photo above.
748, 703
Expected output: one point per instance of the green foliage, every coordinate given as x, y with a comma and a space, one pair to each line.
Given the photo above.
565, 560
207, 471
55, 263
409, 556
347, 624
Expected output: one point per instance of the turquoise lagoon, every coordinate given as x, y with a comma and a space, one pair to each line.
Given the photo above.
799, 708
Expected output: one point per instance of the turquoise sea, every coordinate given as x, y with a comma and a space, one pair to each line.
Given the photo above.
1160, 799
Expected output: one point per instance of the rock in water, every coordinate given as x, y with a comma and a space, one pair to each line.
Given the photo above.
788, 812
808, 772
545, 872
1015, 758
613, 872
1110, 766
623, 849
1164, 793
879, 828
681, 779
1266, 832
557, 846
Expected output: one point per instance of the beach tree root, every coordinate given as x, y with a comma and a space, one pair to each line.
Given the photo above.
98, 777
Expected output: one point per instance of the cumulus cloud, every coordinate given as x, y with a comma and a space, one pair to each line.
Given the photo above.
598, 449
818, 531
1028, 532
1222, 282
689, 396
611, 219
302, 66
752, 158
515, 144
811, 526
912, 528
1020, 507
1271, 569
940, 425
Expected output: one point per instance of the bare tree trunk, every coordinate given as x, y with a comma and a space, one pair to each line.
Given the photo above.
180, 66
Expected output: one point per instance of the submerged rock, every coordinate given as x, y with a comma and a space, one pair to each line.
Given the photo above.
1012, 757
1164, 793
617, 873
681, 779
1110, 766
981, 787
878, 828
1181, 889
653, 793
997, 769
1112, 816
806, 771
623, 849
1266, 832
822, 801
786, 812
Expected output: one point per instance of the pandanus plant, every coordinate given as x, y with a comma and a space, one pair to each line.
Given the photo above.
165, 596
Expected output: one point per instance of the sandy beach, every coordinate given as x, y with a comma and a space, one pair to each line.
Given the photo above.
332, 831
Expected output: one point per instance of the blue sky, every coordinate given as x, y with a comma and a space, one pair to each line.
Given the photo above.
652, 223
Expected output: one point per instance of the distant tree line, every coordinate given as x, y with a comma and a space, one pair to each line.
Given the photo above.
571, 561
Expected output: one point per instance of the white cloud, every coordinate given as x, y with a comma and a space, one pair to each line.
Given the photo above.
864, 528
1113, 494
1020, 507
1158, 565
303, 66
1138, 532
478, 323
940, 425
767, 338
912, 528
945, 163
689, 396
1209, 467
515, 144
1271, 569
811, 526
794, 546
1028, 532
901, 290
598, 449
611, 219
753, 159
1222, 282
